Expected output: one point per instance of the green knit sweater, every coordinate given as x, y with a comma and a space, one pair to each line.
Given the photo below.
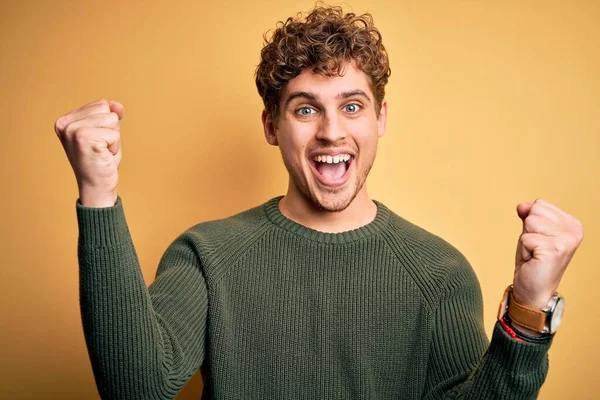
270, 309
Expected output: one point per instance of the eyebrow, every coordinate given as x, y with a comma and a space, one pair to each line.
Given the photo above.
312, 96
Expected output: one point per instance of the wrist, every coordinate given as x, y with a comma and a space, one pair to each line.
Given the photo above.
92, 199
536, 302
529, 302
532, 322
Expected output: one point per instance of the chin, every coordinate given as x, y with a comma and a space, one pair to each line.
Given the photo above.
333, 201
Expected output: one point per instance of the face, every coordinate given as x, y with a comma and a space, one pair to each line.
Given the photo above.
327, 132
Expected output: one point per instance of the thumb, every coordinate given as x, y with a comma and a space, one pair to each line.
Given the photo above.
108, 138
522, 254
113, 139
523, 209
526, 246
116, 107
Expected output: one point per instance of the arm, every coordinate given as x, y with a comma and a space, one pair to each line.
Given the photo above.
463, 365
509, 368
143, 343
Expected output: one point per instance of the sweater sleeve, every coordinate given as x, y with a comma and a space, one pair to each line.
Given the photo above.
143, 343
463, 364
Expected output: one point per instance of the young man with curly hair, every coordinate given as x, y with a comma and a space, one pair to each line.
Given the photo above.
322, 293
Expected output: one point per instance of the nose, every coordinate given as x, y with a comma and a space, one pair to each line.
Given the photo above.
331, 129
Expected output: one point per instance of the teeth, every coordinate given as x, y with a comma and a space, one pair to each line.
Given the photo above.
332, 159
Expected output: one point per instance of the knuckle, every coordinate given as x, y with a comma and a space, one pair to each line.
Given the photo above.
101, 106
522, 238
529, 223
560, 246
61, 124
580, 235
535, 207
58, 126
577, 230
114, 118
97, 147
70, 129
80, 136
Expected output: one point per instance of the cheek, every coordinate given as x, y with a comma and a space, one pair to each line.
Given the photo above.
293, 142
292, 152
366, 135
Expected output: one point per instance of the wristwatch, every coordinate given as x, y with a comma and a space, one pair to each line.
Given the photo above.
544, 321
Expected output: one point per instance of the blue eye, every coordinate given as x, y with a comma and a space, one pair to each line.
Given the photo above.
352, 108
306, 111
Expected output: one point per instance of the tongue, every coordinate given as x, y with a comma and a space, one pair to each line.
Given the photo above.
332, 171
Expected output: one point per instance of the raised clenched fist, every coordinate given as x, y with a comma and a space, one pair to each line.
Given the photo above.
549, 240
91, 138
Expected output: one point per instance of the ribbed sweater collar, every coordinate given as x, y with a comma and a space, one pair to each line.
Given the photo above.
379, 223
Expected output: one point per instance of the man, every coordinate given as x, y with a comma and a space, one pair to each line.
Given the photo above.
322, 293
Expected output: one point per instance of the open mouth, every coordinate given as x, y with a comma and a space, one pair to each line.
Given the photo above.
332, 170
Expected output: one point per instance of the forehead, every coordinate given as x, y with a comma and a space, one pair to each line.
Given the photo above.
328, 87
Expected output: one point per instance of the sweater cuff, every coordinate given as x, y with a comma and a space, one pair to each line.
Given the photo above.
102, 227
518, 357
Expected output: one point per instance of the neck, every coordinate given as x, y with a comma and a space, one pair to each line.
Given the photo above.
297, 207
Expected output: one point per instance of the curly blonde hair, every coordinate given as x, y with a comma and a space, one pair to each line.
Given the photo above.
324, 40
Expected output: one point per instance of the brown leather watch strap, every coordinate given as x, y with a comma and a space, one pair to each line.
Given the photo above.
526, 317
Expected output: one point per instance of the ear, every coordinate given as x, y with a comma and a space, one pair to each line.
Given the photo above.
269, 128
382, 119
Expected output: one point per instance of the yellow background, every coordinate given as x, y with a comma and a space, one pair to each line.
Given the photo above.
491, 103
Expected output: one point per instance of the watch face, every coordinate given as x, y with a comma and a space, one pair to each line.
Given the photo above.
557, 315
